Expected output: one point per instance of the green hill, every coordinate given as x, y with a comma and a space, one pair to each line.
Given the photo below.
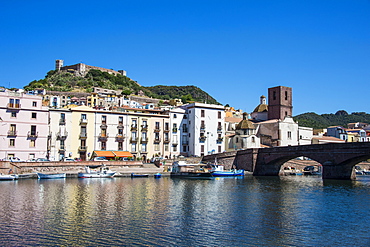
68, 82
341, 118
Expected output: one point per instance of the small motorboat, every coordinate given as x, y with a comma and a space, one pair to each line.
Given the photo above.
292, 171
8, 176
51, 176
135, 175
97, 171
157, 175
218, 171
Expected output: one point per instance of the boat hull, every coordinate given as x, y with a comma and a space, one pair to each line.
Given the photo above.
133, 175
228, 173
8, 177
51, 176
191, 174
96, 175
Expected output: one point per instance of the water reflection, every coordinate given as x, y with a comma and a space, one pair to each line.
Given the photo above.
273, 211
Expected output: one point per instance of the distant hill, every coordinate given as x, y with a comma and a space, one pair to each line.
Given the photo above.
68, 82
341, 118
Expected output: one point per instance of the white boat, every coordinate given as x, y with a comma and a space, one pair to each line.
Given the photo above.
292, 171
183, 169
96, 171
51, 176
8, 176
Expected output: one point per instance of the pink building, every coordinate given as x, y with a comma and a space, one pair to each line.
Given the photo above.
23, 126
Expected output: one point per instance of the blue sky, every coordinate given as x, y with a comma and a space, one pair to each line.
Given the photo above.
234, 50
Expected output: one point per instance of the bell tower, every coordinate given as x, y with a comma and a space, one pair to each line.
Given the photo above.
280, 102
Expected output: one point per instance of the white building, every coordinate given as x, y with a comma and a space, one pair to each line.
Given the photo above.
206, 128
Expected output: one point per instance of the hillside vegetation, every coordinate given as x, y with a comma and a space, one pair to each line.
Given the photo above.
68, 82
340, 118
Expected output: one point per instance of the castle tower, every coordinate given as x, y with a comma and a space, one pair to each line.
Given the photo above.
280, 102
58, 64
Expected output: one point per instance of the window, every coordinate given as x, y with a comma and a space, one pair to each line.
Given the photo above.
32, 143
13, 114
157, 125
286, 113
166, 147
174, 116
33, 130
184, 148
34, 103
120, 145
62, 144
104, 119
103, 145
289, 135
274, 95
202, 113
175, 148
120, 120
166, 126
219, 149
143, 147
145, 124
286, 95
219, 114
253, 139
13, 129
156, 147
33, 115
133, 147
12, 142
202, 148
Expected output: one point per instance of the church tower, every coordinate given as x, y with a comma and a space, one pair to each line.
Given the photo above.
280, 102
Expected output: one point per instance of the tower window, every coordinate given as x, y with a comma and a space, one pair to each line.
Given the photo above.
274, 95
286, 95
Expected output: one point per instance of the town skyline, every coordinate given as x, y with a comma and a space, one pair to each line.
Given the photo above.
233, 51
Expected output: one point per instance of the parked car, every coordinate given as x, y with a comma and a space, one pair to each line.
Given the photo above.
14, 159
42, 160
31, 160
100, 159
68, 160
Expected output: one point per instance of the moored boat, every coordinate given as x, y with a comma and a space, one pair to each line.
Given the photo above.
96, 171
292, 171
218, 171
157, 175
8, 176
137, 175
312, 170
187, 170
51, 176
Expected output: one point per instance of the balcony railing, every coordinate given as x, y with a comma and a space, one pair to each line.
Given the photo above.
166, 140
166, 130
120, 125
120, 137
62, 149
144, 140
156, 140
133, 127
144, 127
220, 139
83, 135
219, 129
83, 121
202, 127
62, 121
32, 134
82, 148
174, 130
103, 126
202, 139
12, 133
14, 106
62, 135
157, 129
133, 139
103, 136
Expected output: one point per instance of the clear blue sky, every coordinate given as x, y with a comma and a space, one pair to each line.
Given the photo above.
234, 50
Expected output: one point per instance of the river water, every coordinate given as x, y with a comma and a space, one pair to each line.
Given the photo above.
249, 211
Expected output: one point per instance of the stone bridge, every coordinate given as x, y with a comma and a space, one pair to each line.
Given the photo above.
337, 159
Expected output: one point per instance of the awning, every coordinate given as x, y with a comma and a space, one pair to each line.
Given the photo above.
108, 154
122, 153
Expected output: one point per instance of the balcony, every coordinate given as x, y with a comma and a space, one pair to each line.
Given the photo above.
12, 133
32, 134
144, 127
133, 140
62, 121
157, 129
174, 130
83, 135
103, 125
13, 106
166, 140
166, 130
133, 127
202, 128
220, 139
62, 135
83, 121
82, 148
103, 136
219, 129
144, 140
185, 130
120, 137
202, 139
157, 140
62, 149
120, 125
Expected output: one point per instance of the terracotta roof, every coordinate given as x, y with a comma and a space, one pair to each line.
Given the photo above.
233, 119
245, 124
327, 138
261, 108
